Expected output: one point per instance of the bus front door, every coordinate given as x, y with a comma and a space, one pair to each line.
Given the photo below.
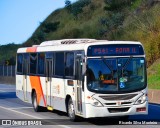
25, 77
79, 85
49, 70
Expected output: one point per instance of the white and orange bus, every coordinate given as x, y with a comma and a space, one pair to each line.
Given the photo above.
84, 77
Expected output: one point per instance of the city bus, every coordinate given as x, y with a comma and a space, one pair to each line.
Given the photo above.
84, 77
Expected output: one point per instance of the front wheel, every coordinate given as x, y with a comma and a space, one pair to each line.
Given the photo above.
36, 107
71, 110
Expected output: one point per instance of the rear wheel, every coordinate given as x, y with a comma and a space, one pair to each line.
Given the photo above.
36, 107
71, 110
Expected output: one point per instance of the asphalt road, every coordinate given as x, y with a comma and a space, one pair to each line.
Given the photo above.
19, 113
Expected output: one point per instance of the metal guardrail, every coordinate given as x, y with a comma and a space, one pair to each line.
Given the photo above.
7, 70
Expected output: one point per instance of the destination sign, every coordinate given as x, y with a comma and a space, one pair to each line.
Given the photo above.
115, 50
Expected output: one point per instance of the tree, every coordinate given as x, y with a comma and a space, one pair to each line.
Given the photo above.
68, 5
50, 27
115, 5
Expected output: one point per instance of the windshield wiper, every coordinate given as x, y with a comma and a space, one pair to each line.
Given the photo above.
110, 68
127, 62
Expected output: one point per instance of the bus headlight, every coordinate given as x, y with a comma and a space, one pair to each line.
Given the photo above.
141, 100
95, 102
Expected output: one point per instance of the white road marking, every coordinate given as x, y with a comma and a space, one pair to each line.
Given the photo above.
35, 117
64, 126
8, 88
2, 91
9, 85
20, 108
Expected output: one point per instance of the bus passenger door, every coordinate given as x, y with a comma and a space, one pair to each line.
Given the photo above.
49, 70
79, 83
25, 72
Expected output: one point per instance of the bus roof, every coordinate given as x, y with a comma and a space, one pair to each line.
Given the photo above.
71, 44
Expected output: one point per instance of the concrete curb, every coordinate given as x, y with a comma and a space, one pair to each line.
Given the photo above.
154, 96
7, 80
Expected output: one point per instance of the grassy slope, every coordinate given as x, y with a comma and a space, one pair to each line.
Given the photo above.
154, 75
144, 27
85, 26
141, 23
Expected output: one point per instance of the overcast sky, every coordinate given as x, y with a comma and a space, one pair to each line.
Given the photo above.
20, 18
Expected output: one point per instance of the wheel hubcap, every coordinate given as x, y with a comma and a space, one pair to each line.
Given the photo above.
71, 110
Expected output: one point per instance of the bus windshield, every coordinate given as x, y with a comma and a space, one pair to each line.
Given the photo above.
116, 74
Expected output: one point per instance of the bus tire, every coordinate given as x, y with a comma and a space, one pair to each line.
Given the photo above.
36, 107
71, 110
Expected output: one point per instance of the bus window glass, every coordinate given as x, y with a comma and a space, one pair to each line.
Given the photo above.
116, 75
131, 73
19, 63
33, 63
41, 59
69, 64
49, 55
25, 63
59, 64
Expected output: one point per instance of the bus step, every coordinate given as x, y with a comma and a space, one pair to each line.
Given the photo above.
26, 100
50, 108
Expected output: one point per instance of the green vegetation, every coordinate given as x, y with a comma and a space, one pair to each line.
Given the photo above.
133, 20
143, 27
77, 20
8, 52
154, 75
136, 20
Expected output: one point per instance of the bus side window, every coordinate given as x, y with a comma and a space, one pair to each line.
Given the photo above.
33, 63
69, 67
41, 59
25, 63
19, 63
59, 64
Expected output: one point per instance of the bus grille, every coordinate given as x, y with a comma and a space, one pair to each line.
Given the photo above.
115, 110
118, 97
122, 103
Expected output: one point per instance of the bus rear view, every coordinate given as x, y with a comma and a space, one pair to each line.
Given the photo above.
116, 80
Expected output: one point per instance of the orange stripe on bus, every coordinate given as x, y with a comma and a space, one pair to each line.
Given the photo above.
31, 49
36, 84
35, 81
42, 93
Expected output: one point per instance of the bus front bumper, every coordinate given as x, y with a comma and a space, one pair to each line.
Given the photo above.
93, 111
